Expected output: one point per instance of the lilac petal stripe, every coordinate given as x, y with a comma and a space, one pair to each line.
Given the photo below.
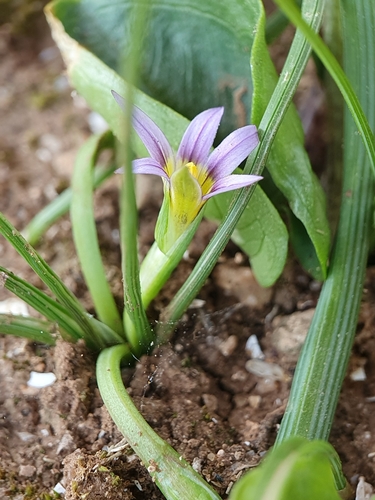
232, 151
150, 134
149, 166
199, 136
232, 182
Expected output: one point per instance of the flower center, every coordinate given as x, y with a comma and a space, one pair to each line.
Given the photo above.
200, 173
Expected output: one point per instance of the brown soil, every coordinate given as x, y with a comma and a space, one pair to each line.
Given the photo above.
196, 391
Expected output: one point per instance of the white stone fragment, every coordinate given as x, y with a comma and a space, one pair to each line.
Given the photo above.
263, 369
358, 375
41, 380
59, 488
197, 464
253, 347
14, 306
364, 490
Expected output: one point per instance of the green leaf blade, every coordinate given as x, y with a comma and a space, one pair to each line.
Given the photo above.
85, 235
260, 233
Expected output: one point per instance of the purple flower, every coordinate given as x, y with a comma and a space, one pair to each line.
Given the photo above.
193, 174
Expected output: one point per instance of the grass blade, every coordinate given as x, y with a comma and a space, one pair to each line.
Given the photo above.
337, 73
92, 333
85, 235
30, 328
59, 207
42, 303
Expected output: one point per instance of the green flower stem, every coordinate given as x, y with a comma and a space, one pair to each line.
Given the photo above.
337, 74
324, 358
85, 235
157, 266
95, 336
273, 116
42, 303
59, 207
176, 479
30, 328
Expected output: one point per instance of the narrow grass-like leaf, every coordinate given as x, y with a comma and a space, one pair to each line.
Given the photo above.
93, 335
172, 474
337, 74
30, 328
42, 303
323, 362
85, 235
59, 206
137, 326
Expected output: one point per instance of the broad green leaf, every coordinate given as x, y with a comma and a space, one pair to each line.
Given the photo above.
182, 66
260, 233
296, 469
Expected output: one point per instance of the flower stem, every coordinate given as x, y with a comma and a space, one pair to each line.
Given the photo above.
176, 479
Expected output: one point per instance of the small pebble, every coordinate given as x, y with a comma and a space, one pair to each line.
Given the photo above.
358, 375
253, 347
59, 488
66, 444
27, 470
41, 380
220, 453
289, 333
228, 346
210, 400
14, 306
211, 457
254, 401
364, 490
263, 369
266, 385
197, 464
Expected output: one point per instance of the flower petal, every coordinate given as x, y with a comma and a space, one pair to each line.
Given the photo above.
232, 182
232, 151
149, 166
199, 136
151, 135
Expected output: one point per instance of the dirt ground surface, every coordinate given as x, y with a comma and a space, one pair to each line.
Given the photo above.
212, 398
